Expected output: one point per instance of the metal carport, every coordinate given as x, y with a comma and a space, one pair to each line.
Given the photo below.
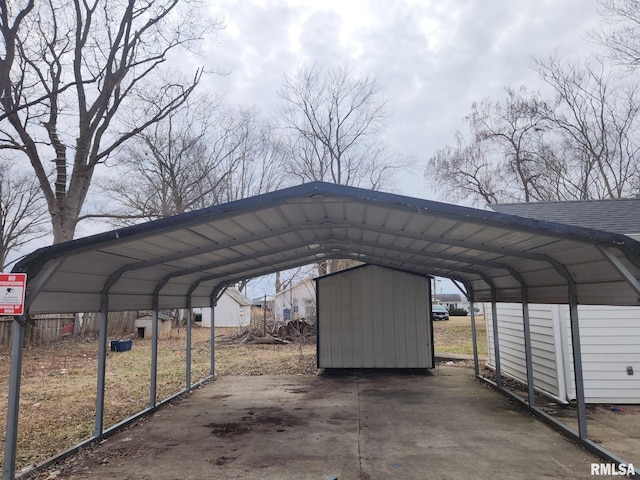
186, 260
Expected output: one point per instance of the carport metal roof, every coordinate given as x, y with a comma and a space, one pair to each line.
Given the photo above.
196, 252
184, 261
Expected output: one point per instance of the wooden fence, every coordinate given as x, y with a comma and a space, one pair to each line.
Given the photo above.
53, 328
119, 324
47, 329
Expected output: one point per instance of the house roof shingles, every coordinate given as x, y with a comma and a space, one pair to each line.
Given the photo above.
614, 215
448, 297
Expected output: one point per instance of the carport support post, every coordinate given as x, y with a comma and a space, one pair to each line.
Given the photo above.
496, 343
102, 364
527, 345
154, 352
212, 370
11, 435
474, 340
213, 301
577, 360
188, 353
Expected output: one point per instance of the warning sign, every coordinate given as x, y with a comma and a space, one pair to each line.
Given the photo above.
12, 288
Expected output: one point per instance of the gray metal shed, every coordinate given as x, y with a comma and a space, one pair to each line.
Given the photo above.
186, 260
374, 317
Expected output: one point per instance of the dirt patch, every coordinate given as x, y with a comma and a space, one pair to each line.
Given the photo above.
219, 397
271, 419
298, 390
224, 460
227, 429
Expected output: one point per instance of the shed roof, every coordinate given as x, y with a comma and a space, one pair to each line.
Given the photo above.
238, 297
448, 297
193, 253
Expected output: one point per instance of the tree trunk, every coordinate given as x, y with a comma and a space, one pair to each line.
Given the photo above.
66, 208
63, 223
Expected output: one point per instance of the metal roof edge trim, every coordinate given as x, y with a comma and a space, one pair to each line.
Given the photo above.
35, 260
158, 225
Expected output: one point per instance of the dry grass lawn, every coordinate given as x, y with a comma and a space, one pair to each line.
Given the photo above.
57, 405
454, 336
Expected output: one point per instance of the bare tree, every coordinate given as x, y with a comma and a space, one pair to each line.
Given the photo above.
256, 165
333, 120
582, 144
23, 213
80, 78
597, 115
465, 171
200, 155
505, 157
516, 128
620, 32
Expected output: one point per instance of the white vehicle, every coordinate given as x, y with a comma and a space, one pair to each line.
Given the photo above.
439, 312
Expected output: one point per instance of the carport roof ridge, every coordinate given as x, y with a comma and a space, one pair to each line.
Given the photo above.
195, 252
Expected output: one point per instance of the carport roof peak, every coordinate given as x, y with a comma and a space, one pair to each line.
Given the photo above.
318, 190
194, 253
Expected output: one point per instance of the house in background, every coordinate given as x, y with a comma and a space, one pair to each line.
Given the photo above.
610, 335
265, 301
450, 300
296, 302
457, 300
233, 310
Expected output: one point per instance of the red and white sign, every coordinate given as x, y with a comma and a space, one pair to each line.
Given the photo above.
12, 289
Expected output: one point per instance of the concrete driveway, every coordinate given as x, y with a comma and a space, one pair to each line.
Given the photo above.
442, 425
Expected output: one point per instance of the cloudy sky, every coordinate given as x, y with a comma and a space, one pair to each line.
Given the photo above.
432, 58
